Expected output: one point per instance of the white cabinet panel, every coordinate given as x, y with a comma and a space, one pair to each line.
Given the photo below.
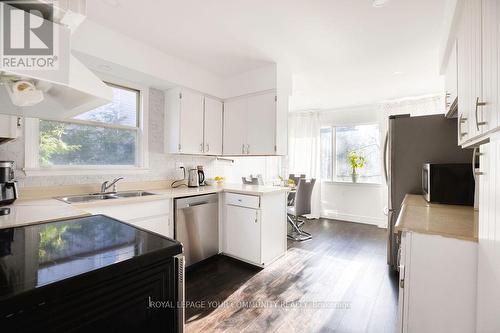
488, 114
451, 78
242, 233
191, 123
475, 78
159, 224
404, 271
253, 228
469, 70
488, 299
261, 122
250, 125
243, 200
8, 128
153, 215
235, 126
478, 69
183, 122
439, 284
463, 77
131, 211
213, 127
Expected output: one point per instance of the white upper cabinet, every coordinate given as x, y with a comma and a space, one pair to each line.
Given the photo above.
184, 122
261, 124
451, 80
250, 125
477, 39
488, 114
469, 70
246, 125
193, 123
213, 127
235, 126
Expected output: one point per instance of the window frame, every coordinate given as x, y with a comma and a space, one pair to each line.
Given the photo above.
32, 139
333, 167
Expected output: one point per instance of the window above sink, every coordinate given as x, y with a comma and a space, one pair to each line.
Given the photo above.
111, 139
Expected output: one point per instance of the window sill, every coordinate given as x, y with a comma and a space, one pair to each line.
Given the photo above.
85, 171
347, 183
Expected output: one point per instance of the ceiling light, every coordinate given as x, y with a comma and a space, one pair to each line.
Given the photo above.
397, 73
379, 3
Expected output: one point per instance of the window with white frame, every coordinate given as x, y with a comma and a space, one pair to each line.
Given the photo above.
109, 136
339, 141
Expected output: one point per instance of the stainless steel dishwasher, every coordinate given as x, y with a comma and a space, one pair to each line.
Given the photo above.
196, 226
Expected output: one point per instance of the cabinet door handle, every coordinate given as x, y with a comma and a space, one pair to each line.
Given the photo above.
248, 149
461, 120
479, 123
402, 276
201, 147
243, 148
208, 148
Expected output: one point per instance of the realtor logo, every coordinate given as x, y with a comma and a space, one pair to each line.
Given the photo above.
28, 35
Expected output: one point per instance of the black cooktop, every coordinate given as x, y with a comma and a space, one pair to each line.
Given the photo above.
38, 255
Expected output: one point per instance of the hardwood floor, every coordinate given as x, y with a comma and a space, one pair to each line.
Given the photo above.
336, 282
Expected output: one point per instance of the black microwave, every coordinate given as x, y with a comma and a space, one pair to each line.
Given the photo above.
451, 183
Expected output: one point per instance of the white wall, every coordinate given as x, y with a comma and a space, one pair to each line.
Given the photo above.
270, 167
134, 60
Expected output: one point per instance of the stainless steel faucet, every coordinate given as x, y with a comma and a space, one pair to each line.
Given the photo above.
105, 186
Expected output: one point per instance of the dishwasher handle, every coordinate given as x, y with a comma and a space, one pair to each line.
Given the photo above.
194, 204
198, 200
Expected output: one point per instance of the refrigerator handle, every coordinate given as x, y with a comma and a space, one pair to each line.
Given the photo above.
386, 143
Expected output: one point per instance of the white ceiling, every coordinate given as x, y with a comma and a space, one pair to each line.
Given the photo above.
341, 52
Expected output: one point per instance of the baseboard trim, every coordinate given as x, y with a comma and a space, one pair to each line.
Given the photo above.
379, 222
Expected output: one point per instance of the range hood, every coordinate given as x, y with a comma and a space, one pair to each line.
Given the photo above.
59, 93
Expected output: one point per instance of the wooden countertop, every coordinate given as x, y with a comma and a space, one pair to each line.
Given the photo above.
453, 221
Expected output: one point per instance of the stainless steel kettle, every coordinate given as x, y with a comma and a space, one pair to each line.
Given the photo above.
193, 178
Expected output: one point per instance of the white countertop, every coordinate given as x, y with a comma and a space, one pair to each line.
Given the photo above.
418, 215
24, 212
38, 211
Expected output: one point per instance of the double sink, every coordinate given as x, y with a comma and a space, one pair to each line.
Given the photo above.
83, 198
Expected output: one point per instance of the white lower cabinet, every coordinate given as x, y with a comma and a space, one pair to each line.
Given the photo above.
159, 224
254, 227
488, 286
152, 215
243, 231
437, 284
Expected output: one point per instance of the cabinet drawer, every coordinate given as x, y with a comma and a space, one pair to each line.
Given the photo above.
242, 200
128, 211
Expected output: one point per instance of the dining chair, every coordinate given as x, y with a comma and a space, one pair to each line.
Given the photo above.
300, 207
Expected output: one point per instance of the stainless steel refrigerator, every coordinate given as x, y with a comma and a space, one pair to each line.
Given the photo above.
411, 142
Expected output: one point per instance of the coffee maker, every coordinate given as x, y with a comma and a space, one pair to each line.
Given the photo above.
8, 187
